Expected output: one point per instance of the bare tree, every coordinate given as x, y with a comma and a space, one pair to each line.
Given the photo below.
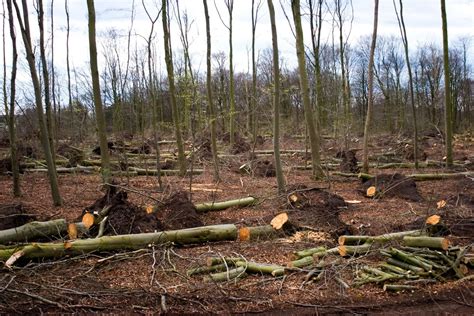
68, 68
24, 24
100, 118
210, 101
46, 81
172, 90
311, 123
151, 91
253, 99
230, 9
401, 24
448, 110
10, 105
276, 100
370, 105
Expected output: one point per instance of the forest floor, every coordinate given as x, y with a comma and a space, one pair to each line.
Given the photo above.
154, 280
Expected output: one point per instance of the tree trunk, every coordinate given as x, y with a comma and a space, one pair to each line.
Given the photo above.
448, 109
100, 118
172, 90
25, 33
276, 101
370, 105
311, 123
10, 109
210, 101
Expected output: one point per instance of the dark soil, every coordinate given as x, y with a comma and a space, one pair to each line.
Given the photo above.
263, 168
123, 216
391, 185
349, 161
177, 212
239, 146
317, 209
14, 215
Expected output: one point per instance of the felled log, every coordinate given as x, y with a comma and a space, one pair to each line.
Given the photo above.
34, 230
194, 235
354, 250
258, 233
77, 169
262, 268
354, 240
309, 252
415, 176
429, 242
398, 287
228, 275
218, 206
154, 172
206, 269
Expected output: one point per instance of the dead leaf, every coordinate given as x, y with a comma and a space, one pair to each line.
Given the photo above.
149, 209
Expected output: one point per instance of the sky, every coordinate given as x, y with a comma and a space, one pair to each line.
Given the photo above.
422, 19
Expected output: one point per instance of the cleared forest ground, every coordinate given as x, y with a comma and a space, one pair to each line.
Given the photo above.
155, 280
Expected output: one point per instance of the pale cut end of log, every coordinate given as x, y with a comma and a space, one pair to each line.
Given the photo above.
441, 204
88, 220
371, 191
67, 245
11, 261
279, 220
433, 219
341, 240
244, 234
72, 231
342, 250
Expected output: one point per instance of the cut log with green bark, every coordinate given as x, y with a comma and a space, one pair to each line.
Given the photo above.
354, 239
309, 252
261, 268
415, 176
153, 172
228, 275
34, 230
429, 242
196, 235
218, 206
264, 232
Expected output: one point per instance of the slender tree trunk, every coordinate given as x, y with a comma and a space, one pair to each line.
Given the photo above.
10, 109
253, 99
210, 101
100, 117
68, 69
151, 93
230, 9
276, 100
403, 32
47, 88
53, 77
172, 90
316, 40
25, 33
311, 123
370, 105
448, 110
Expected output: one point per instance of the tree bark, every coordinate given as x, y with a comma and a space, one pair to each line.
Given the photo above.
370, 105
448, 109
100, 118
26, 35
218, 206
276, 101
210, 101
311, 123
172, 90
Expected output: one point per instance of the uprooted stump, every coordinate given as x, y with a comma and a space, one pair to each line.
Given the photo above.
316, 209
143, 149
74, 155
203, 149
349, 161
13, 215
177, 212
393, 185
263, 168
239, 146
123, 217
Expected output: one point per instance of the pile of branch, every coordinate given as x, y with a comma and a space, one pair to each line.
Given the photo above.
419, 260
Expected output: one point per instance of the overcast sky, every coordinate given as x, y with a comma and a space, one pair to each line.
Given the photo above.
422, 19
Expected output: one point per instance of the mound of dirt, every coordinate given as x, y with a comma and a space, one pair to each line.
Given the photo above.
317, 209
74, 155
13, 215
408, 153
393, 185
123, 216
110, 146
177, 212
143, 149
263, 168
239, 146
203, 149
349, 161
